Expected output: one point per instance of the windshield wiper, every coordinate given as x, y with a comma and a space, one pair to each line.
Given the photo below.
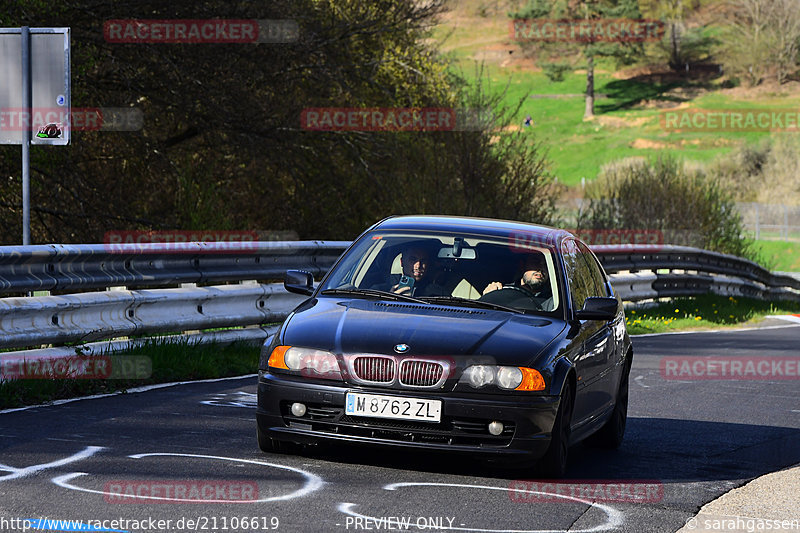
375, 293
476, 303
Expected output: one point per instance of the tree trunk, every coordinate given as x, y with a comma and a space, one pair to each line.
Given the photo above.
589, 111
675, 59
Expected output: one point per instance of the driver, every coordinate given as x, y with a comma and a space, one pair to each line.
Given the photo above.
534, 282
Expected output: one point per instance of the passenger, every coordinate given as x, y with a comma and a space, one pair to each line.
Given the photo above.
417, 278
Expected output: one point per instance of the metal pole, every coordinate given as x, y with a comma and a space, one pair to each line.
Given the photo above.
785, 223
27, 108
758, 227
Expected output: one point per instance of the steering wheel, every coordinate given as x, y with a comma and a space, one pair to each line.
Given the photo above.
512, 288
532, 302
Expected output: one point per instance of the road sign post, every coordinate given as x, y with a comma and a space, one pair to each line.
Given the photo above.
26, 136
36, 81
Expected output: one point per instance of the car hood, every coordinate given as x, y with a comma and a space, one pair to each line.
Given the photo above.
347, 326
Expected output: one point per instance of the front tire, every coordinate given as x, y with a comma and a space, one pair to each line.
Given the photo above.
554, 462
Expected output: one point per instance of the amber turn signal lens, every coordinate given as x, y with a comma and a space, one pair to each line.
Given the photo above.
532, 380
276, 357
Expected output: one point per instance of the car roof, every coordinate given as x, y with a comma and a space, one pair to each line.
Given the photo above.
521, 232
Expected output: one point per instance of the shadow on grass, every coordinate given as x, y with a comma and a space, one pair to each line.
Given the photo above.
656, 86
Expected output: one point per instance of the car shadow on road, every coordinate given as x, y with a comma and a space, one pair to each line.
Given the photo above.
690, 450
669, 450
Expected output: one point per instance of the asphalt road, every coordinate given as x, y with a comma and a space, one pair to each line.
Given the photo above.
687, 440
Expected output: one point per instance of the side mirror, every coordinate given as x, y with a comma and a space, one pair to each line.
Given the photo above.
299, 282
598, 308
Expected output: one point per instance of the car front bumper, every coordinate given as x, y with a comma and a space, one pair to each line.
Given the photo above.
527, 419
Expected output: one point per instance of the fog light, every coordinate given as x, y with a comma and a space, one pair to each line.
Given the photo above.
496, 428
298, 409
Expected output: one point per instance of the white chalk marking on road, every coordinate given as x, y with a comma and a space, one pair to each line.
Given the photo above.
614, 517
17, 473
248, 400
636, 380
312, 484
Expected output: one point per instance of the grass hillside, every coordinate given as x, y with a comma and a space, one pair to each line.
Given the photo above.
629, 104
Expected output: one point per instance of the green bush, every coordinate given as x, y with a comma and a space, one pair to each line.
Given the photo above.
766, 172
742, 171
689, 208
556, 71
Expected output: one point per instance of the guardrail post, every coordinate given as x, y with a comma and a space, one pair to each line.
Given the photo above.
758, 228
785, 223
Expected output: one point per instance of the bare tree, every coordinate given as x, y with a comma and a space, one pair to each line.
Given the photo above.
784, 31
681, 44
762, 40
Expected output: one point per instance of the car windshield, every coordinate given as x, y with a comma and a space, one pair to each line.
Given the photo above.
449, 270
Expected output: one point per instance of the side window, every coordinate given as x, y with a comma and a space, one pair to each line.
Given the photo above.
594, 271
579, 277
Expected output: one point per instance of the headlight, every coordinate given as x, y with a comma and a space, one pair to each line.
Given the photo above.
479, 375
509, 377
504, 377
295, 358
306, 361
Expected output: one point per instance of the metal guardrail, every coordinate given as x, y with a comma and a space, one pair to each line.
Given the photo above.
62, 267
637, 272
643, 272
94, 316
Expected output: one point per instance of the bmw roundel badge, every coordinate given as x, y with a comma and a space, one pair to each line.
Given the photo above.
401, 348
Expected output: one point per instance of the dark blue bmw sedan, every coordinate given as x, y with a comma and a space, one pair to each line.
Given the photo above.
490, 337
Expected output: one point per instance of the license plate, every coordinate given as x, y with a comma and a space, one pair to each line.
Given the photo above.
397, 407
